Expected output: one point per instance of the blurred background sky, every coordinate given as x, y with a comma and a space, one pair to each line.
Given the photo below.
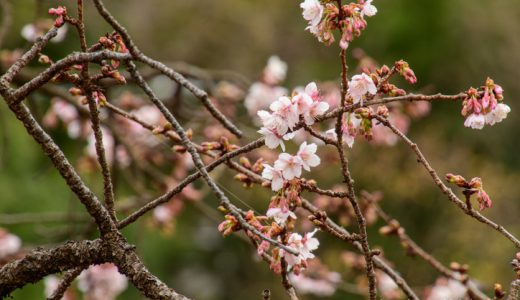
450, 44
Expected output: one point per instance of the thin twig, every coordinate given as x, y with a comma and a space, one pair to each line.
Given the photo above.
137, 54
67, 280
447, 191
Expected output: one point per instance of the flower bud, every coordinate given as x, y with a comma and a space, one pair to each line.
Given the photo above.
179, 149
457, 180
74, 91
44, 59
382, 111
244, 161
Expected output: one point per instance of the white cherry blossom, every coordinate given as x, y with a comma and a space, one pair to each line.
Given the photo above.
475, 121
312, 11
307, 155
274, 175
284, 108
360, 85
290, 166
304, 245
280, 215
498, 114
317, 108
369, 9
272, 138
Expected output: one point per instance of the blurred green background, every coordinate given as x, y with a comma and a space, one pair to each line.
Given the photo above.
450, 44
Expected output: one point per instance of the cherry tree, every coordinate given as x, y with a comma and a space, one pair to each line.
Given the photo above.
297, 131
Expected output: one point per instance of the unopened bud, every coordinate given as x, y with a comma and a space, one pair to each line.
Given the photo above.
456, 179
382, 111
44, 59
244, 161
179, 149
120, 78
189, 132
74, 91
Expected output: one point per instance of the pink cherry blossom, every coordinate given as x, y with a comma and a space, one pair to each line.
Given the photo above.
475, 121
312, 11
102, 282
274, 175
307, 156
108, 144
290, 166
360, 85
9, 243
349, 129
302, 103
311, 89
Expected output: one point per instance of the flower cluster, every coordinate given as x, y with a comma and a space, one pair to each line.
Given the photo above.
288, 167
350, 19
286, 113
474, 186
484, 107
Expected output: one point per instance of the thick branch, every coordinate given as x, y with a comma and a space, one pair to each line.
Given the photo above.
42, 262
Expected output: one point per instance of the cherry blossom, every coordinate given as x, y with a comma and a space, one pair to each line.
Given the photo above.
272, 138
108, 144
9, 243
102, 282
274, 175
31, 32
280, 215
275, 71
475, 121
312, 11
311, 89
290, 166
447, 289
368, 9
360, 85
307, 156
317, 108
272, 120
302, 102
284, 108
304, 245
323, 287
498, 114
